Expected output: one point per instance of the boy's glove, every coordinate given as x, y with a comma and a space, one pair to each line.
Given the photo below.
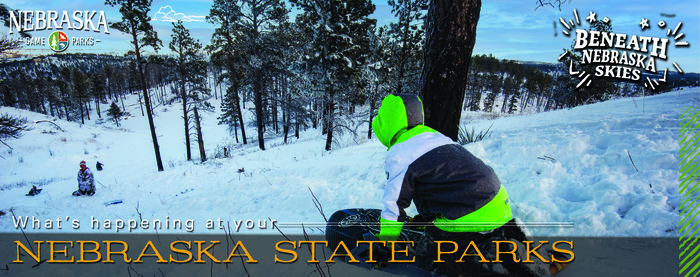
389, 230
419, 222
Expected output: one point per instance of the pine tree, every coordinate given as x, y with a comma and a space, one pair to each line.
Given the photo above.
186, 49
474, 83
52, 96
63, 82
545, 87
8, 96
135, 22
598, 90
107, 72
200, 94
477, 91
494, 86
251, 22
97, 89
286, 91
115, 113
337, 49
512, 105
80, 88
512, 82
407, 43
245, 28
533, 78
229, 111
378, 71
39, 92
25, 90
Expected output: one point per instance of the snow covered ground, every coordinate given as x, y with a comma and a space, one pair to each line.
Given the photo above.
607, 169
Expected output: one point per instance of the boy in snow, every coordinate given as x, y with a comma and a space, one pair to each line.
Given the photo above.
86, 181
460, 196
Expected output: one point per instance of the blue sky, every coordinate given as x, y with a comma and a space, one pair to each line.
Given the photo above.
508, 29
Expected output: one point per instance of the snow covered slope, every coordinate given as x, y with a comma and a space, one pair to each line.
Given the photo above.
608, 169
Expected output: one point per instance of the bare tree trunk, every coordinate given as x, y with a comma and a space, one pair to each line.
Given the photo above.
221, 91
285, 113
183, 94
285, 126
330, 107
140, 105
144, 89
200, 140
97, 103
82, 117
526, 101
87, 109
296, 124
296, 128
259, 109
65, 106
505, 102
314, 109
372, 107
43, 106
240, 114
549, 100
109, 89
235, 130
450, 37
51, 108
324, 116
216, 96
273, 99
121, 96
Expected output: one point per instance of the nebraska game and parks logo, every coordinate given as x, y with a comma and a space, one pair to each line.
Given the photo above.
58, 41
598, 52
28, 21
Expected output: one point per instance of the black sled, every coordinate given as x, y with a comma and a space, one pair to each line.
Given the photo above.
33, 191
351, 225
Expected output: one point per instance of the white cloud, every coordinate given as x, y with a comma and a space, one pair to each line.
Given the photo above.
166, 13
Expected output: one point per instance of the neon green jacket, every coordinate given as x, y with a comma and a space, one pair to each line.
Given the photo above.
439, 176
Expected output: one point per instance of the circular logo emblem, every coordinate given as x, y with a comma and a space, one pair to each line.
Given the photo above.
58, 41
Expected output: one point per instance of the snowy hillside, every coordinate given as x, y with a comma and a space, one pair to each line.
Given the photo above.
573, 167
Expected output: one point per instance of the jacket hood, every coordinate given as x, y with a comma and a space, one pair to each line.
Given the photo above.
397, 114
